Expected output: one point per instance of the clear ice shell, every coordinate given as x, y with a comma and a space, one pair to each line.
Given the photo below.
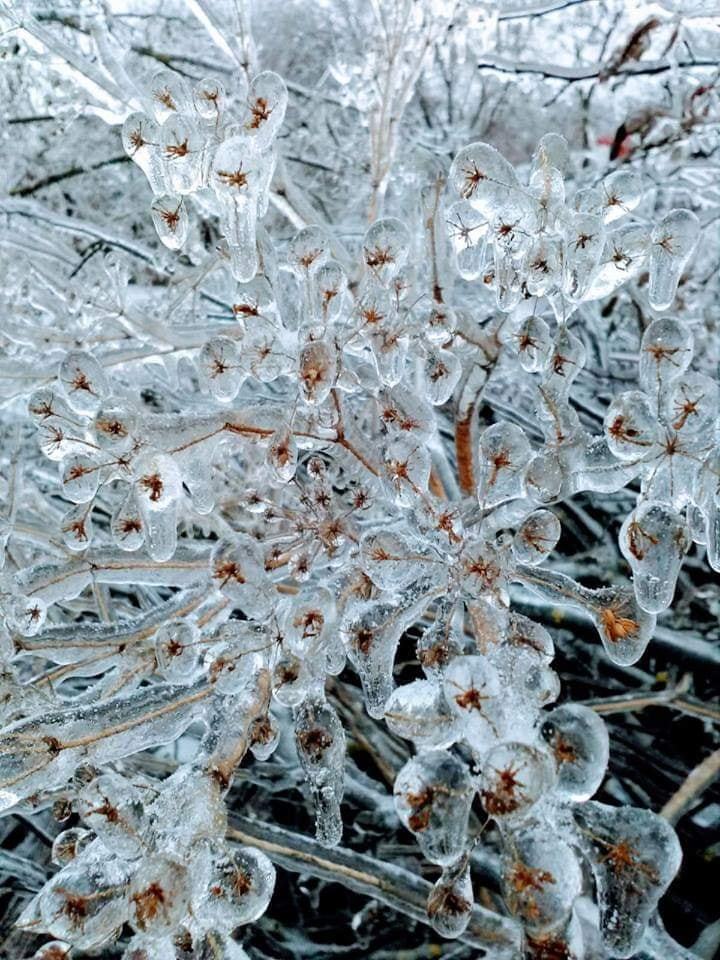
433, 794
578, 740
634, 855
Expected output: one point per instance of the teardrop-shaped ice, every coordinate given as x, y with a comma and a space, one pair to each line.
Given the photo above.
76, 528
634, 855
584, 239
442, 373
541, 878
182, 146
466, 229
209, 99
665, 353
654, 540
220, 368
579, 742
693, 405
317, 370
232, 886
450, 902
113, 808
127, 527
536, 537
114, 425
622, 191
85, 903
514, 777
83, 381
320, 741
504, 453
267, 103
170, 95
418, 711
385, 249
170, 218
80, 476
177, 652
391, 559
482, 176
631, 426
433, 794
158, 896
472, 689
673, 242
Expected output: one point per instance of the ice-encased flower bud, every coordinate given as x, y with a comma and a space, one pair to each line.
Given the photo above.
236, 177
170, 218
221, 369
158, 896
514, 777
504, 454
673, 242
467, 229
127, 525
237, 570
157, 486
450, 902
385, 249
232, 886
654, 540
85, 902
141, 141
472, 689
209, 99
317, 370
442, 374
541, 879
483, 177
631, 426
169, 95
418, 711
665, 353
433, 794
320, 741
267, 101
113, 808
183, 146
634, 855
584, 239
83, 381
114, 426
578, 741
536, 537
622, 191
177, 652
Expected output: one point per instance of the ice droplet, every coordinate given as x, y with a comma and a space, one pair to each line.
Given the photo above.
578, 740
634, 855
541, 879
654, 540
536, 537
320, 741
170, 218
232, 886
673, 241
450, 902
418, 711
83, 381
514, 777
433, 794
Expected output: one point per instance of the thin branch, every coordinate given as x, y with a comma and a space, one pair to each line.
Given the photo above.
394, 886
699, 778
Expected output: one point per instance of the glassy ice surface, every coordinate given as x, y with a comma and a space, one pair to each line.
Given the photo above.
321, 432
